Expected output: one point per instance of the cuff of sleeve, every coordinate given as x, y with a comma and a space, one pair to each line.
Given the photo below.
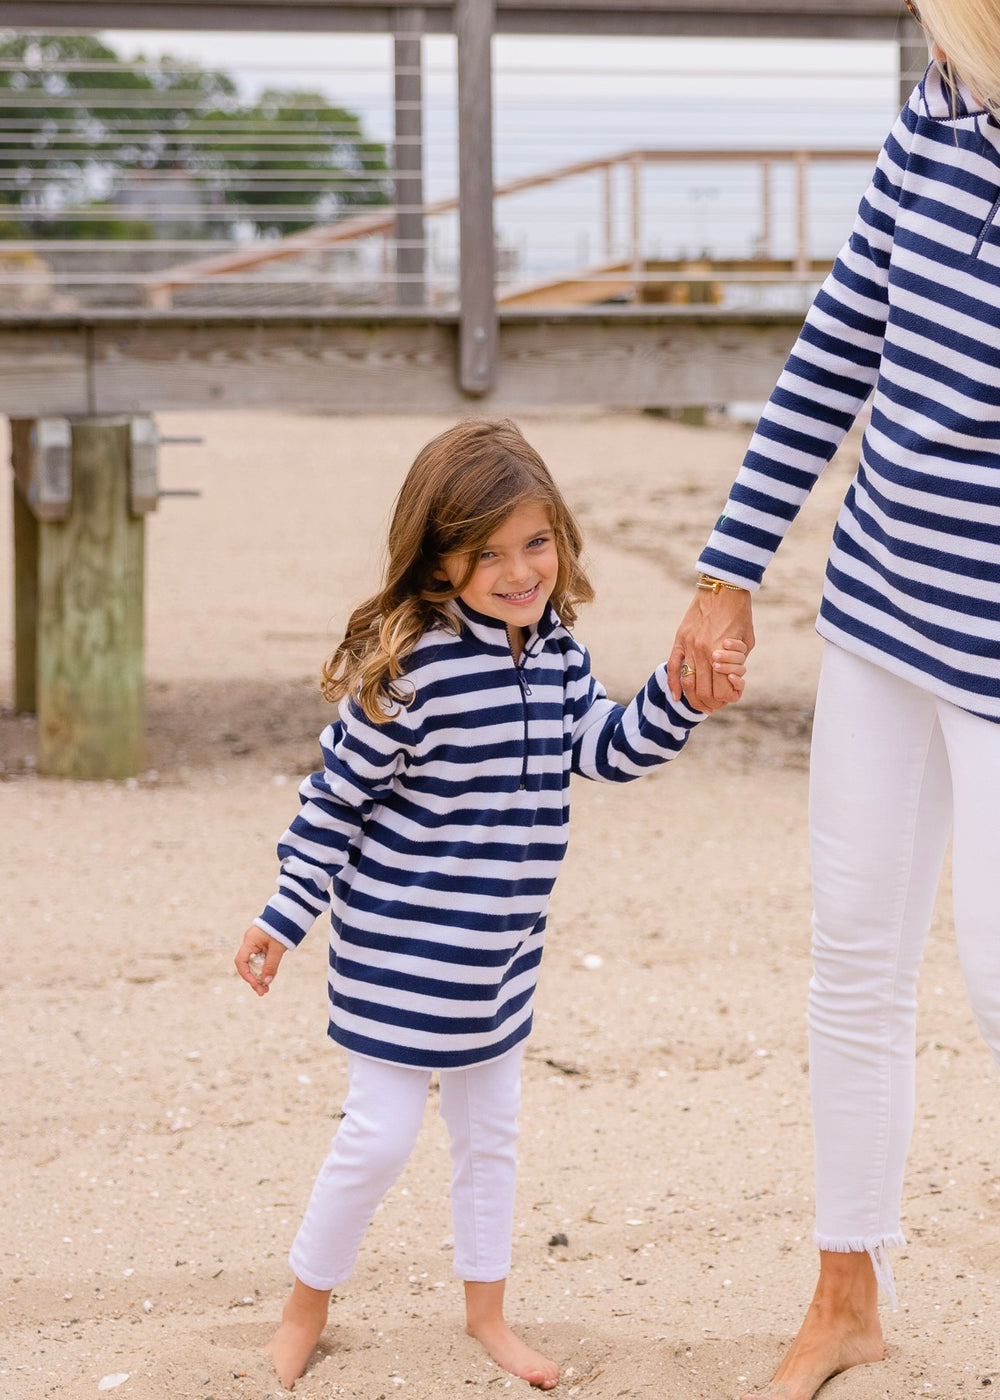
687, 712
684, 711
709, 564
280, 935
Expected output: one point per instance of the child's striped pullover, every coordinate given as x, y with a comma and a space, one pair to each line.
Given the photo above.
437, 836
912, 307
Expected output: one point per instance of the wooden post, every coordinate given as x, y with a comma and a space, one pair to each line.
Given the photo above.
25, 576
801, 216
609, 210
90, 617
766, 239
635, 258
408, 24
478, 338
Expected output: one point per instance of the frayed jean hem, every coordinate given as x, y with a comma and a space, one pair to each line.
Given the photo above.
876, 1251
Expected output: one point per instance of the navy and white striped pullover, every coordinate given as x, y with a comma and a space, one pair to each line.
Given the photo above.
912, 307
436, 837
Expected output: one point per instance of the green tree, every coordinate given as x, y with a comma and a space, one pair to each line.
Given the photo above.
93, 145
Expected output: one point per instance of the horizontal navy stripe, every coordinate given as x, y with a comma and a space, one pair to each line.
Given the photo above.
965, 642
421, 1058
958, 603
894, 647
404, 980
408, 944
405, 1018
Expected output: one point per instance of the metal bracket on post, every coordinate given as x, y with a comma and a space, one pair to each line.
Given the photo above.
143, 466
49, 486
144, 490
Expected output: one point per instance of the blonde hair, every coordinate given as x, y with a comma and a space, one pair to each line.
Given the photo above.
968, 34
460, 489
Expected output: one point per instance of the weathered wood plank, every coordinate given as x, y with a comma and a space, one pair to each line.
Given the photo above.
651, 363
399, 362
364, 366
43, 370
91, 713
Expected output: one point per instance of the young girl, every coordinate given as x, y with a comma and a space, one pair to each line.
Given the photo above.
906, 736
434, 832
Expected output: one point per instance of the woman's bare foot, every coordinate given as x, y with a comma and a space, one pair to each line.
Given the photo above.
302, 1323
840, 1330
485, 1322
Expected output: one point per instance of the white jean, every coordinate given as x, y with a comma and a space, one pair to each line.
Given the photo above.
894, 772
382, 1115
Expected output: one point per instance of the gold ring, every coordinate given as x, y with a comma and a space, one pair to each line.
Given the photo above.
686, 671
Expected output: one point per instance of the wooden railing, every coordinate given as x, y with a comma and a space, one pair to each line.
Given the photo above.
619, 271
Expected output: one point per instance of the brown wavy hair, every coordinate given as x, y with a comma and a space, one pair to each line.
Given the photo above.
460, 489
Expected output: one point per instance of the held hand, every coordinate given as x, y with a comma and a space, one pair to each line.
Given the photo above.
712, 624
729, 660
257, 942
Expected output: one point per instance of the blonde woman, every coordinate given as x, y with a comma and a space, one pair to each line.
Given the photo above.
906, 738
434, 834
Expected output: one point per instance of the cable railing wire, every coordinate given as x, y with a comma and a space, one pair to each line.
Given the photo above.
210, 196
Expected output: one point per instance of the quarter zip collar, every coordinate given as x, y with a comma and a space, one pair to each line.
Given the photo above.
491, 632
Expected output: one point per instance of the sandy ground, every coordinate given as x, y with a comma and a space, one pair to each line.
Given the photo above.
161, 1126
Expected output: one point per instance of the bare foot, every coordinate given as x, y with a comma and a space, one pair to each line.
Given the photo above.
840, 1330
302, 1323
485, 1321
515, 1356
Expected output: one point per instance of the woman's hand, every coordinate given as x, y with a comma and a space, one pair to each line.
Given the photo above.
257, 944
710, 625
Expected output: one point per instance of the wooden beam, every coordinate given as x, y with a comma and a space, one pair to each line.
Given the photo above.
859, 19
391, 361
477, 297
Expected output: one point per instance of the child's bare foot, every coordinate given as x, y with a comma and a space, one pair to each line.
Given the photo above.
485, 1321
302, 1323
515, 1356
840, 1330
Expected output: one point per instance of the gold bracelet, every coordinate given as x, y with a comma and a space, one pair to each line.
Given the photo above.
715, 585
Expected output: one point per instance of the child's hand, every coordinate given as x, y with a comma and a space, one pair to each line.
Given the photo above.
730, 660
266, 954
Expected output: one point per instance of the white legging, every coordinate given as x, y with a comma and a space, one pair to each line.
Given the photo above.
893, 770
382, 1114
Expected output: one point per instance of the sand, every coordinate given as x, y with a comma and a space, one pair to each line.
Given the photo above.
161, 1126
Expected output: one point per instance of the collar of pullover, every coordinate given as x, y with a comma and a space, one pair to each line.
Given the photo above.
491, 632
946, 103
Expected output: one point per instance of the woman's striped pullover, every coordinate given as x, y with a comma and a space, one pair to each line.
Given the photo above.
436, 837
912, 307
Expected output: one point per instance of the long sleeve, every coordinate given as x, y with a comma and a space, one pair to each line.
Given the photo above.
827, 378
360, 761
615, 743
